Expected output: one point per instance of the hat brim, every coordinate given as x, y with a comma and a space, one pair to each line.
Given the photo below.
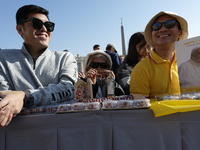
182, 21
91, 54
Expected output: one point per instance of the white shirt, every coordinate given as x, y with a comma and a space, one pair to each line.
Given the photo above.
189, 73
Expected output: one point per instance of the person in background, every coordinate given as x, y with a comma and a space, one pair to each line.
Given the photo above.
158, 74
34, 75
96, 47
116, 60
66, 50
98, 69
138, 49
122, 57
189, 71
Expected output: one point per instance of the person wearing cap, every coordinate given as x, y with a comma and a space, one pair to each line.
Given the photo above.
98, 68
34, 75
158, 73
116, 60
189, 71
122, 57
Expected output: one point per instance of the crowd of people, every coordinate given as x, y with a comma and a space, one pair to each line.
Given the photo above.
34, 75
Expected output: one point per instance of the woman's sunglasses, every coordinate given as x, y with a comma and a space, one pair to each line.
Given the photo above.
37, 24
145, 49
96, 65
168, 24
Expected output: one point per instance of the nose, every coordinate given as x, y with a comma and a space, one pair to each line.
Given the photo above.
163, 27
43, 28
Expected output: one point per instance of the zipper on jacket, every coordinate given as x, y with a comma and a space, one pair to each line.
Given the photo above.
34, 62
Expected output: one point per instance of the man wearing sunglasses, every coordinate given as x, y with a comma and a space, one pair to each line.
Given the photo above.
34, 75
157, 73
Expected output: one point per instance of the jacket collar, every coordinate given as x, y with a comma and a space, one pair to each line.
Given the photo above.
24, 50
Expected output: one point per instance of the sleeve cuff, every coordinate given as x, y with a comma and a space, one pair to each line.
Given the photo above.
28, 100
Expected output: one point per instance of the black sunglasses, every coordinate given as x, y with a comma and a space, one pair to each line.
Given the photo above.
168, 24
37, 24
96, 65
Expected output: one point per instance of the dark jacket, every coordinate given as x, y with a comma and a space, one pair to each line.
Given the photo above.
116, 61
123, 77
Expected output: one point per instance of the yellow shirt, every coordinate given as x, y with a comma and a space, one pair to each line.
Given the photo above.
154, 76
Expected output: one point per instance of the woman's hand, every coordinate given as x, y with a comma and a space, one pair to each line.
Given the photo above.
99, 73
81, 75
108, 72
92, 73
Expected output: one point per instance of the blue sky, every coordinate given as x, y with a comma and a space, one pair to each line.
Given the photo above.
82, 23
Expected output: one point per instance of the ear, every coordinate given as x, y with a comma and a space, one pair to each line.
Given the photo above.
180, 33
19, 29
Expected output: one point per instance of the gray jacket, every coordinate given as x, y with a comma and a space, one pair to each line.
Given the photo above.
47, 80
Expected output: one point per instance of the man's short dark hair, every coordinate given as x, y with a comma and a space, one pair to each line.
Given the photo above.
95, 46
24, 11
108, 47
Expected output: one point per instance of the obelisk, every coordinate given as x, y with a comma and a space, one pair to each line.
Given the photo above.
123, 39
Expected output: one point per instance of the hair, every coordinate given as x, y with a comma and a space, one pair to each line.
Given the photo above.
24, 11
65, 50
92, 57
194, 50
95, 46
194, 54
133, 57
108, 47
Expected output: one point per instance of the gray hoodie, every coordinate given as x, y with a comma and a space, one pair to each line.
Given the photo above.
47, 80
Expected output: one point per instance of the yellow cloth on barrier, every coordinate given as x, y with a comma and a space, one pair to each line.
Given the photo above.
190, 89
161, 108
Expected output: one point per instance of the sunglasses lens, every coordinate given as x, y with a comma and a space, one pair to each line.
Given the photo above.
49, 26
170, 23
37, 23
96, 65
103, 65
156, 26
93, 65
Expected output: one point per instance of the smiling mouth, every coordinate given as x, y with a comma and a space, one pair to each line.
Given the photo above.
164, 35
41, 35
